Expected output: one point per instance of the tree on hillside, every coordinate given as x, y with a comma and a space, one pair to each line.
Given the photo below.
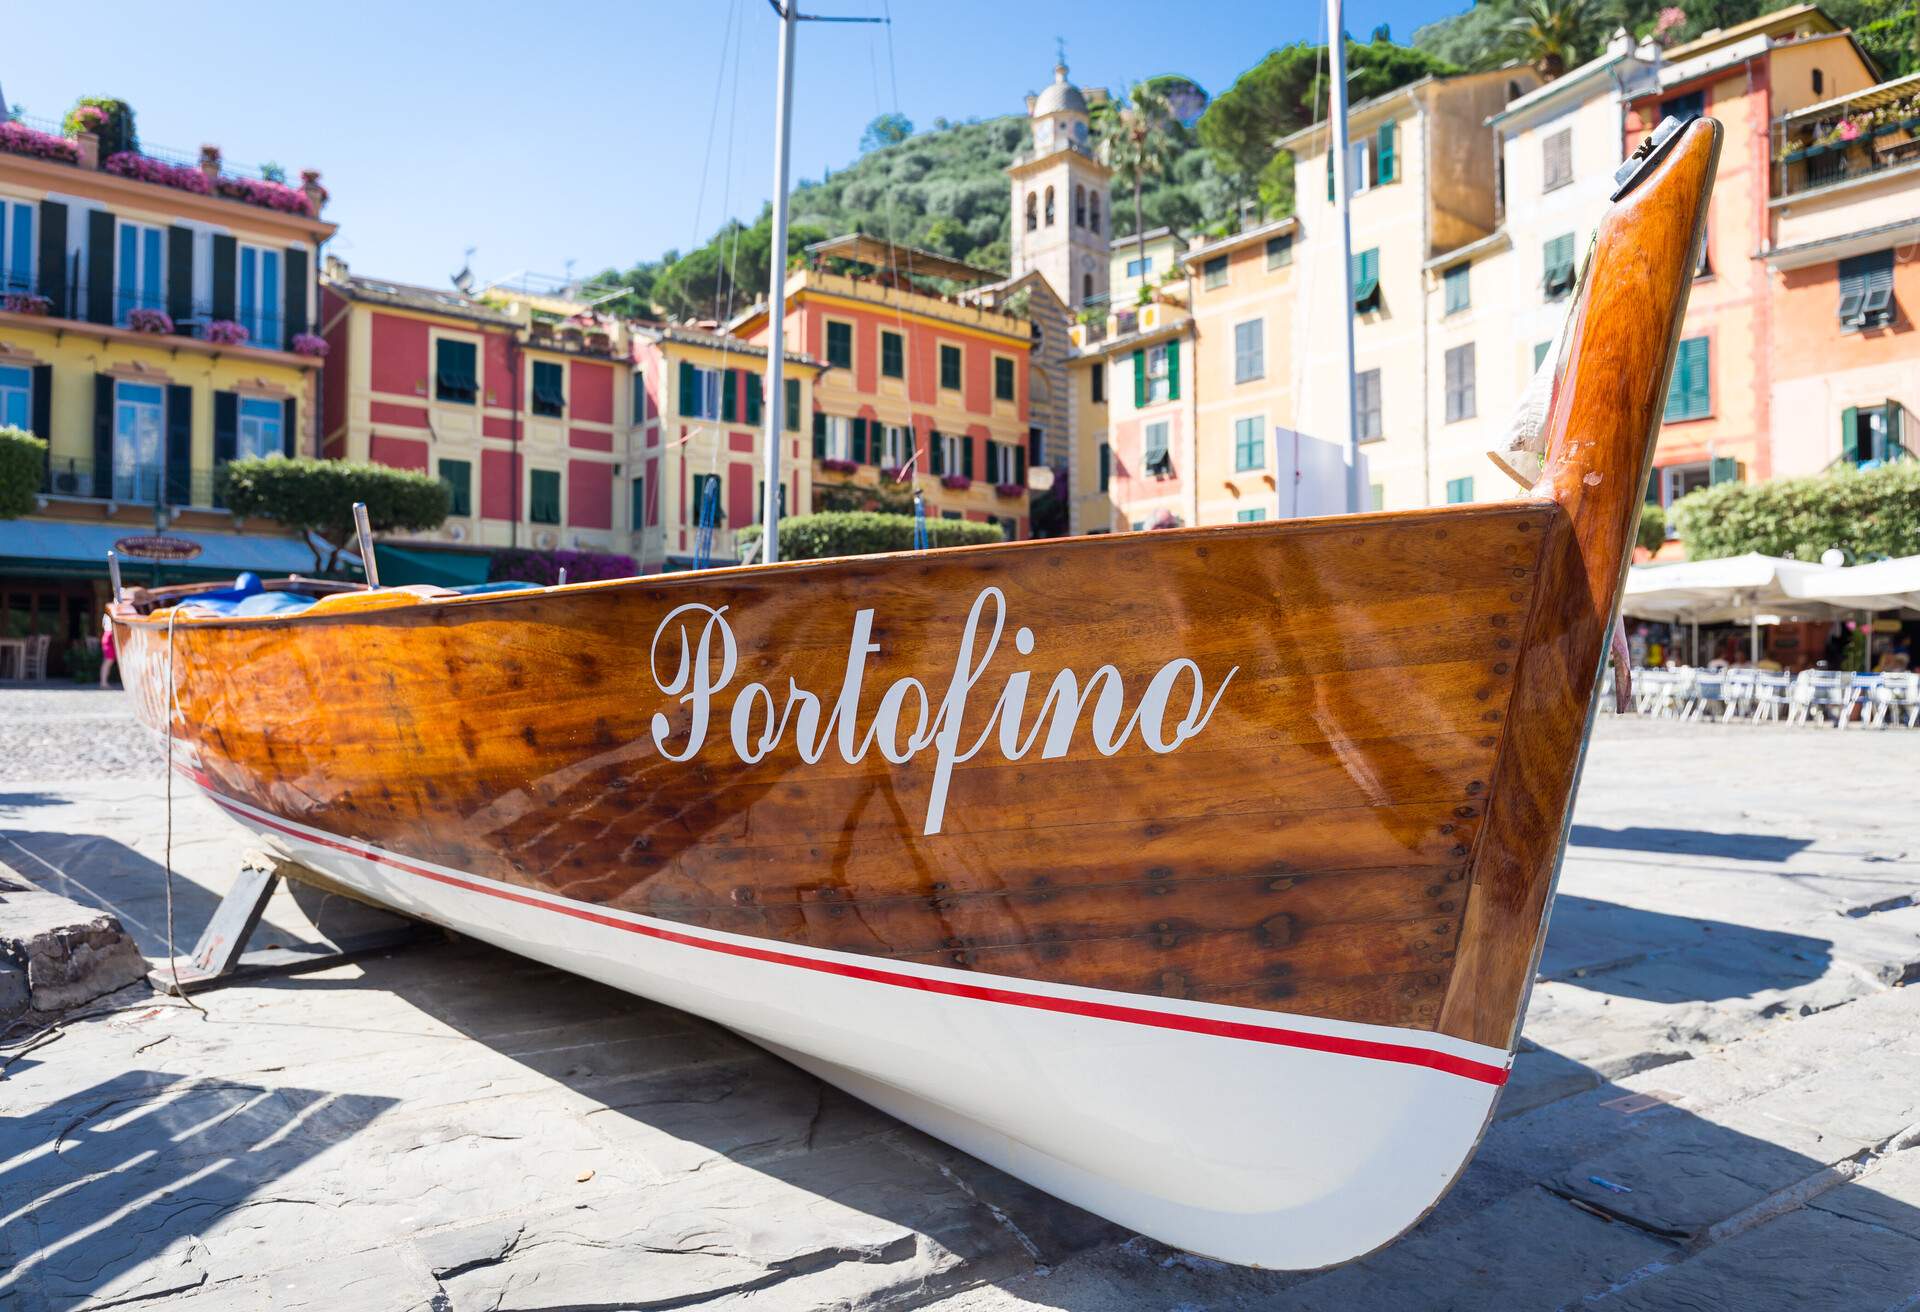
1285, 92
1136, 142
886, 130
1556, 35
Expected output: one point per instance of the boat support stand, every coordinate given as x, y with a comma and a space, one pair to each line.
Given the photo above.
221, 954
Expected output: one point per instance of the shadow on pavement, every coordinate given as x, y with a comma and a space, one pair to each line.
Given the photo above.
1689, 842
1658, 957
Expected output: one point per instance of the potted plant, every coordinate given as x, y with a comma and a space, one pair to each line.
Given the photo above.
225, 332
835, 465
210, 163
310, 344
1009, 489
26, 303
315, 193
955, 482
148, 320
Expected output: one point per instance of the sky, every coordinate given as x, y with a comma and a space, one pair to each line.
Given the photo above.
601, 133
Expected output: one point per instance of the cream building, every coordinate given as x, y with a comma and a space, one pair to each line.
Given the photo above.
1144, 261
1421, 161
1061, 215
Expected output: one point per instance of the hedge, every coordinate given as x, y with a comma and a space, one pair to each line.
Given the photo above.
1653, 526
865, 533
1867, 512
317, 496
23, 466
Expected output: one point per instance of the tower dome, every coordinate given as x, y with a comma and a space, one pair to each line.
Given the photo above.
1060, 95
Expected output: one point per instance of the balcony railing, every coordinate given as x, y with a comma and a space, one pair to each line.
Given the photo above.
64, 299
200, 173
1876, 130
128, 483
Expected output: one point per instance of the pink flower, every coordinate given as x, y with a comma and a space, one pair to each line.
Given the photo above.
1849, 130
144, 168
1009, 489
225, 332
1668, 19
267, 195
26, 303
19, 139
309, 344
145, 320
956, 482
834, 465
91, 118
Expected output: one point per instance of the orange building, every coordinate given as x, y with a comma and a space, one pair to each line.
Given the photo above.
1719, 408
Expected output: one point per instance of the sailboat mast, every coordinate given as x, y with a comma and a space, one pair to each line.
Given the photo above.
1337, 145
774, 410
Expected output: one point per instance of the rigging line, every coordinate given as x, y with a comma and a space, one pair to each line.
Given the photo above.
713, 121
732, 266
893, 241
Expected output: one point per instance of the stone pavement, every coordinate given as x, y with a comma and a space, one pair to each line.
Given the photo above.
1716, 1107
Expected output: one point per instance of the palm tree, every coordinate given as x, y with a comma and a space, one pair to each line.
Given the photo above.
1555, 35
1136, 143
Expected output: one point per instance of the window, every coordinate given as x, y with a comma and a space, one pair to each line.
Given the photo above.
1690, 395
139, 272
760, 501
1003, 463
1086, 286
1099, 382
1141, 267
1691, 105
16, 397
1540, 350
1249, 350
832, 437
1459, 287
1079, 207
1158, 459
259, 295
1556, 259
454, 375
543, 499
700, 391
1106, 466
1036, 445
1556, 160
840, 344
1250, 443
639, 399
1033, 212
549, 393
896, 446
893, 355
950, 454
262, 421
1049, 207
1093, 212
1459, 366
16, 246
1678, 480
1459, 490
1871, 434
458, 476
1377, 496
1002, 378
1366, 404
637, 504
1249, 516
1215, 271
1360, 166
1159, 385
1366, 281
1280, 250
139, 440
1819, 82
1866, 290
950, 368
706, 488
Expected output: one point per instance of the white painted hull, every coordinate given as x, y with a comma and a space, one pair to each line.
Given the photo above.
1244, 1135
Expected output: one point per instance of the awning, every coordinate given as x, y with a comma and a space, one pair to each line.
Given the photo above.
445, 569
1884, 585
1718, 591
42, 547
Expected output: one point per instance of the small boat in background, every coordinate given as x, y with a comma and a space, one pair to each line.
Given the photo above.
1195, 876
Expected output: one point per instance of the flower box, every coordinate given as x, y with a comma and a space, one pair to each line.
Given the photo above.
834, 465
19, 139
1010, 489
147, 320
225, 332
267, 195
26, 303
310, 344
955, 482
892, 473
143, 168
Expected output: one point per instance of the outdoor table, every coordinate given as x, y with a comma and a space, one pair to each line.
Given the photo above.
17, 646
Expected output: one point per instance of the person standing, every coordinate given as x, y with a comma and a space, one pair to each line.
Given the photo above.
107, 655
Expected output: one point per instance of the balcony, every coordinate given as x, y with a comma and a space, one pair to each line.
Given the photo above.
1870, 132
128, 483
144, 314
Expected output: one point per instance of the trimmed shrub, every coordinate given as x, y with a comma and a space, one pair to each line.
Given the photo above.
1652, 533
317, 496
518, 565
864, 533
23, 465
1868, 512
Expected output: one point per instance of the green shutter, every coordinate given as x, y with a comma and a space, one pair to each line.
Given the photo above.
966, 455
1173, 370
1384, 153
756, 394
793, 403
1689, 395
226, 264
1139, 380
729, 395
103, 436
179, 445
859, 441
226, 427
936, 451
180, 274
1726, 469
53, 258
819, 435
458, 476
1106, 466
100, 256
689, 389
1850, 435
1699, 393
1895, 447
293, 300
290, 428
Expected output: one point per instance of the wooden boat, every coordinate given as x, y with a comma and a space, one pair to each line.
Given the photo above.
1195, 876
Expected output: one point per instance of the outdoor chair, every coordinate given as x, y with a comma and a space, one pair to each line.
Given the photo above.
1771, 696
1672, 692
1737, 694
1709, 689
35, 665
1650, 689
1895, 697
1816, 692
1859, 697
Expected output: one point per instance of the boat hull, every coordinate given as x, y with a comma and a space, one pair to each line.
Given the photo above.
1236, 1133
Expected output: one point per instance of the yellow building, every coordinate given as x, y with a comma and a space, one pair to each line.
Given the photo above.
157, 322
1241, 288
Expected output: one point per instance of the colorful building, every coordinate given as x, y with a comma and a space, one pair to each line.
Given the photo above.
155, 319
921, 389
1719, 422
1844, 271
1143, 360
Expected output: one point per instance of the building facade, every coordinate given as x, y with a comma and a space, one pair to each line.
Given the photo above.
155, 323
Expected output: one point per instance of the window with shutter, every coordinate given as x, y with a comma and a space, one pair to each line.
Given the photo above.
689, 390
1155, 454
756, 392
839, 344
1249, 350
1690, 394
458, 476
793, 403
950, 368
1385, 155
1459, 287
893, 355
1106, 466
16, 246
637, 504
1214, 272
1725, 469
1866, 290
1280, 250
549, 391
1366, 404
1460, 399
1097, 381
1366, 280
16, 398
1002, 378
1459, 490
1557, 274
1173, 370
543, 496
1556, 164
1249, 443
456, 377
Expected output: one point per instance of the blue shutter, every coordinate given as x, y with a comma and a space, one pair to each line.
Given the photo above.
1383, 155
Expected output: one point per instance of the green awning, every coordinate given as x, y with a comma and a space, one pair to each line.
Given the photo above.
445, 569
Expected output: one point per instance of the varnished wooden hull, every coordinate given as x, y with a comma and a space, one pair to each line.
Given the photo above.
1196, 876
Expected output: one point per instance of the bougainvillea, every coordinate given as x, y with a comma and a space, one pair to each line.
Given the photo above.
955, 482
145, 168
834, 465
268, 195
309, 344
19, 139
225, 332
26, 303
144, 320
1009, 489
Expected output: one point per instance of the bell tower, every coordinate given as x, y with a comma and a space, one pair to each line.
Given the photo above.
1062, 209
